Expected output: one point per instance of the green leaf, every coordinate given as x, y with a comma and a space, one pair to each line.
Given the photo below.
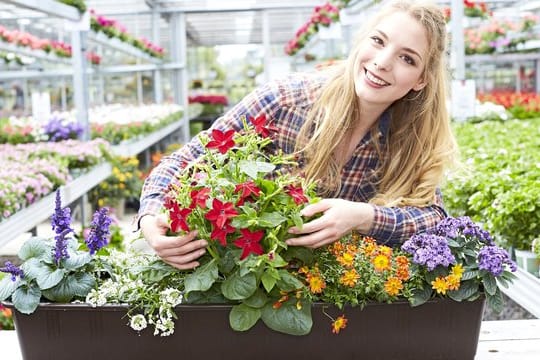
467, 275
76, 260
453, 243
7, 287
271, 220
34, 248
288, 319
490, 284
420, 296
45, 275
304, 254
202, 278
237, 287
243, 317
297, 220
496, 301
288, 282
268, 279
252, 168
71, 286
465, 291
257, 300
26, 298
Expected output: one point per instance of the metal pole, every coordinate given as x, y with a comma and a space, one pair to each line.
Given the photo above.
458, 45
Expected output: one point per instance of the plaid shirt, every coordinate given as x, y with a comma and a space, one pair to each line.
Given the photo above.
286, 103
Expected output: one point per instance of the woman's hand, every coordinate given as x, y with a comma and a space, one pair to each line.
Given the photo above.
339, 218
178, 251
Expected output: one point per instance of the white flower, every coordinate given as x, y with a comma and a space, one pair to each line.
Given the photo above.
171, 296
138, 322
95, 298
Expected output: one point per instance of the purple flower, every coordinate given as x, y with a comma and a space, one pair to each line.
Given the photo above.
58, 129
99, 232
453, 227
15, 271
61, 224
429, 250
493, 258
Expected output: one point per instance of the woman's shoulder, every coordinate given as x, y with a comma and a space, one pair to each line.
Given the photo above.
299, 88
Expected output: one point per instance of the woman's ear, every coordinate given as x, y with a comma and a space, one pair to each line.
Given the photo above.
419, 85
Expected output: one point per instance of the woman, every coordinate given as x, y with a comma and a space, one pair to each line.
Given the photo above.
373, 131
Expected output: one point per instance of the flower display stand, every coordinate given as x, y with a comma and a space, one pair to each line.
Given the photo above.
439, 329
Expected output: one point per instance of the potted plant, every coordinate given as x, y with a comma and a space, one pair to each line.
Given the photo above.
252, 295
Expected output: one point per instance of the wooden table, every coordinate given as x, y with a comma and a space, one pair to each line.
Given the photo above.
499, 340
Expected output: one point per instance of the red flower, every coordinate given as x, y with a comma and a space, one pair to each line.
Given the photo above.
249, 242
199, 197
222, 141
221, 212
259, 123
220, 234
297, 193
247, 188
178, 218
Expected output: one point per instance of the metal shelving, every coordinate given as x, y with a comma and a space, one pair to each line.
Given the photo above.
29, 217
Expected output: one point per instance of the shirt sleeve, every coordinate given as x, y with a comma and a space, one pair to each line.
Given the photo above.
394, 225
264, 100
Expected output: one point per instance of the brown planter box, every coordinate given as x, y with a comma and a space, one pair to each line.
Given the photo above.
439, 329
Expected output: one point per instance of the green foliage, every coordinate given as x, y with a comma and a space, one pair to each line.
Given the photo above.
498, 186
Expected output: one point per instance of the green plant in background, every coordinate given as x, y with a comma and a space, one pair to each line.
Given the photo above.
78, 4
535, 247
498, 186
125, 183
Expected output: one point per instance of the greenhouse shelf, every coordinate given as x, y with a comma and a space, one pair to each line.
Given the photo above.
525, 291
27, 218
136, 147
49, 7
121, 46
38, 54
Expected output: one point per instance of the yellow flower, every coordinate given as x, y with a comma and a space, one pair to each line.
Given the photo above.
347, 259
381, 262
453, 281
457, 270
393, 285
349, 278
440, 285
385, 250
338, 324
316, 284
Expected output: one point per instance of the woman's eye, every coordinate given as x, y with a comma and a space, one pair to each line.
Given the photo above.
377, 40
409, 60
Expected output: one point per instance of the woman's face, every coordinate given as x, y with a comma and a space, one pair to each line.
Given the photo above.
390, 61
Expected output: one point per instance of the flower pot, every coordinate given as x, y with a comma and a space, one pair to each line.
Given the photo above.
439, 329
528, 261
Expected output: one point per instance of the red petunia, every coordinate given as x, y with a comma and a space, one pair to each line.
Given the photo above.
178, 218
260, 126
249, 242
199, 197
297, 193
222, 141
247, 188
220, 234
221, 212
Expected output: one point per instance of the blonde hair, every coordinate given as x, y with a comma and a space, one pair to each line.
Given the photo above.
420, 142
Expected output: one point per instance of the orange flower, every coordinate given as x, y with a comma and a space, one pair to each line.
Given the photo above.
349, 278
316, 284
381, 262
453, 281
336, 248
370, 246
402, 260
402, 273
393, 285
339, 324
347, 259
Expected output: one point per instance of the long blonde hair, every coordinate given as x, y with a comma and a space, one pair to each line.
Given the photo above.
420, 142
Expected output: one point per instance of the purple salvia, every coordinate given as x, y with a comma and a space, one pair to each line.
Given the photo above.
99, 230
493, 259
15, 271
61, 224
